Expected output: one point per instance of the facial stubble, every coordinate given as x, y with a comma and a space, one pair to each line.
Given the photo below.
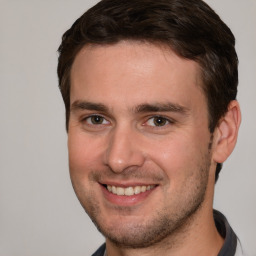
165, 222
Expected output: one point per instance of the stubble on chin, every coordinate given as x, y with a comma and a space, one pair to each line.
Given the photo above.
162, 224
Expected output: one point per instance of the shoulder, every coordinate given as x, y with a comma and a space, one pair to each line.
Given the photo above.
100, 251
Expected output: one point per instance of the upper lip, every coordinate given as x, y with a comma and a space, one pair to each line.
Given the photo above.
126, 184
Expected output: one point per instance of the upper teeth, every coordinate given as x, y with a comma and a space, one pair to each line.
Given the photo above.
129, 191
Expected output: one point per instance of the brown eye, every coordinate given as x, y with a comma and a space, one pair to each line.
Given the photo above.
96, 120
159, 121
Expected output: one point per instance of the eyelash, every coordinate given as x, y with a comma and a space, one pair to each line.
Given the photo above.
166, 121
85, 119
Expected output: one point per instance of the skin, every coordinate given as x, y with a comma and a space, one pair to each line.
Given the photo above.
126, 85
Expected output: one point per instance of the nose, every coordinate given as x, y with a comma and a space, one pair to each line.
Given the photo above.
124, 150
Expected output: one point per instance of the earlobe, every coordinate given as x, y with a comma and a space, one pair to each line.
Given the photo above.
226, 133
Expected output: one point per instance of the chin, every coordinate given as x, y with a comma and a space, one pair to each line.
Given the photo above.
129, 232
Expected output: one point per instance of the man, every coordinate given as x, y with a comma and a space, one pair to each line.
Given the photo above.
151, 113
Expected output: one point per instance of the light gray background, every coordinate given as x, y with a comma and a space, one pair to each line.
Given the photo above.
39, 213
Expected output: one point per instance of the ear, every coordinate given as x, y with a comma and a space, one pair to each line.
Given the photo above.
226, 133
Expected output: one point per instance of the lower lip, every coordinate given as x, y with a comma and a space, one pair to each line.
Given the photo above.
126, 200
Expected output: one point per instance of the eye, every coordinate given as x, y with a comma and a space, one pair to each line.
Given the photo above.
158, 121
96, 120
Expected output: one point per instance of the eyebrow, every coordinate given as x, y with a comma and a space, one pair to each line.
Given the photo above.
86, 105
142, 108
161, 107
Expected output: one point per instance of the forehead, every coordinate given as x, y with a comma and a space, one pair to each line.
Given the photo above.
133, 71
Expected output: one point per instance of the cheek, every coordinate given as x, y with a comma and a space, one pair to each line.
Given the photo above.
84, 154
177, 156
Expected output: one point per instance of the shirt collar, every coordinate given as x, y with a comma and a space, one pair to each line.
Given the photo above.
224, 229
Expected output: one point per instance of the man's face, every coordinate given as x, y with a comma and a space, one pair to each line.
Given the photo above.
139, 127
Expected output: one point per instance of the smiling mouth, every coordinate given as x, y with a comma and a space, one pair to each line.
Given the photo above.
128, 191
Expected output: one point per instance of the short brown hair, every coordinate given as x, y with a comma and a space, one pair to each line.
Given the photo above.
190, 27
